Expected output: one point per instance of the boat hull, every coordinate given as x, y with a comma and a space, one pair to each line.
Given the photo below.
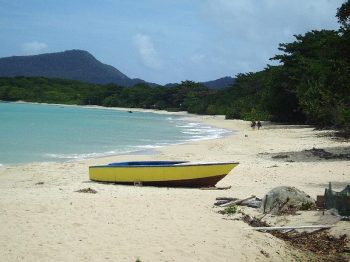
174, 175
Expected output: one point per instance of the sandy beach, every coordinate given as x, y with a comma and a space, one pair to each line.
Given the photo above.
43, 218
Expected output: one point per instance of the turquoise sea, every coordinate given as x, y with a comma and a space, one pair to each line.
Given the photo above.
42, 133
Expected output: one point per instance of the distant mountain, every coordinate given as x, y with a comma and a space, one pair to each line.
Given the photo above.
79, 65
72, 64
214, 84
220, 83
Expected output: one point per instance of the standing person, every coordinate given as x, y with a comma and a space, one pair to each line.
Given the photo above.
259, 125
253, 124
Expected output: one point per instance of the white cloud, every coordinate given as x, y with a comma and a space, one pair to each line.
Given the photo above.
264, 21
147, 52
247, 32
33, 48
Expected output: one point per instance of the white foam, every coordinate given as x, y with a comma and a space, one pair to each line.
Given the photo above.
198, 131
147, 146
193, 131
188, 125
80, 156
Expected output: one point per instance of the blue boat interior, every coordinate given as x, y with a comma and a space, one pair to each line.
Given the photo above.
147, 163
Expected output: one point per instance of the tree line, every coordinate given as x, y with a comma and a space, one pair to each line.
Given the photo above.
311, 84
187, 96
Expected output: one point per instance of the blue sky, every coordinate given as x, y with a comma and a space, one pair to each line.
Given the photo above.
163, 41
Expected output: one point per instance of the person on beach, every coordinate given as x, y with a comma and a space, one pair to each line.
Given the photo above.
259, 125
253, 124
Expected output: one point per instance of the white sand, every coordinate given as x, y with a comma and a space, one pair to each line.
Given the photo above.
52, 222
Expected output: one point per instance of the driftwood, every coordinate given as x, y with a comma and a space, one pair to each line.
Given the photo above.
291, 227
216, 188
254, 203
226, 198
222, 202
235, 202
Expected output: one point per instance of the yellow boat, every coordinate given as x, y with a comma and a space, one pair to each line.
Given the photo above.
162, 173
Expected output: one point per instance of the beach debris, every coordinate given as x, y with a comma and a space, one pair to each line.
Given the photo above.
228, 201
39, 183
287, 228
253, 221
321, 153
310, 155
215, 188
265, 253
340, 201
286, 200
87, 190
280, 156
254, 202
319, 241
224, 200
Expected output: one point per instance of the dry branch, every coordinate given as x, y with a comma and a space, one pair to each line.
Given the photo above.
236, 202
291, 227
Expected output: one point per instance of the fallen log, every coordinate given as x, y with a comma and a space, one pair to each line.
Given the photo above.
219, 203
226, 198
254, 203
222, 202
236, 202
215, 188
291, 227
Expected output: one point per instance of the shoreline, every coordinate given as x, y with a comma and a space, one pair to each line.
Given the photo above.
189, 118
44, 218
156, 111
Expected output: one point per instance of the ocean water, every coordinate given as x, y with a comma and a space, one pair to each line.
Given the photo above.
45, 133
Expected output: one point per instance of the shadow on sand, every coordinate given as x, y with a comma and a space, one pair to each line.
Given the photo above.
312, 155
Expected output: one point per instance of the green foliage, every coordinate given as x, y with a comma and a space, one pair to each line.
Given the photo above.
244, 99
307, 206
343, 14
320, 76
231, 210
188, 96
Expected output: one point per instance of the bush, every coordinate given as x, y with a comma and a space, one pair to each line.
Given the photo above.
231, 210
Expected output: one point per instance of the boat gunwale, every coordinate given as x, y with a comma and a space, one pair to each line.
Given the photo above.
184, 164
